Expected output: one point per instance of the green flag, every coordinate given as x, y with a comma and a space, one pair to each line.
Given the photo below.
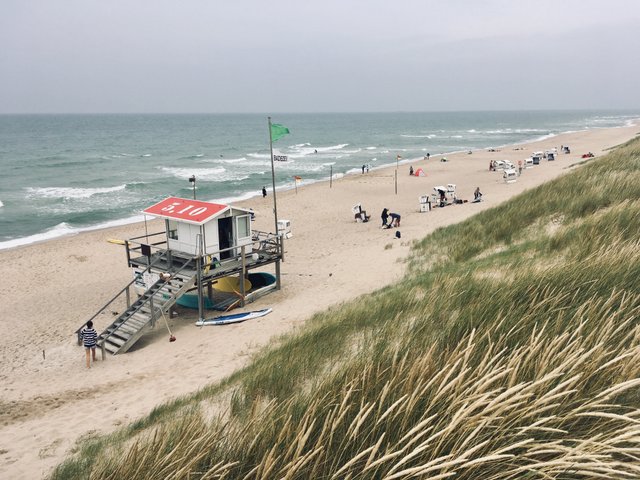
278, 131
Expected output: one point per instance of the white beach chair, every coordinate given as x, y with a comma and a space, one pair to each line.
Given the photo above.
510, 175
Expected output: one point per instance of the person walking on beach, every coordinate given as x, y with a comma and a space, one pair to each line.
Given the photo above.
384, 216
264, 192
90, 340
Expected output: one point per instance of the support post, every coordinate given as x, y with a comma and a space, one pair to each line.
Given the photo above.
126, 243
273, 178
242, 275
153, 313
199, 277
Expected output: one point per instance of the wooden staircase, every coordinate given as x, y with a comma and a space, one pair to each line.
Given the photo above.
143, 313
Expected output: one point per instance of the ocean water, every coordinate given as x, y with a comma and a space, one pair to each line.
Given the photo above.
62, 174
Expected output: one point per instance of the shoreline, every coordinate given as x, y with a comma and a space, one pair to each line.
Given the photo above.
49, 235
49, 399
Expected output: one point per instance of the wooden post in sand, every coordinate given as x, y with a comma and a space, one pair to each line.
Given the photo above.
243, 273
199, 249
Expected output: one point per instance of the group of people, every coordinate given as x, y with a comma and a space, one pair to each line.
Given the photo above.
390, 219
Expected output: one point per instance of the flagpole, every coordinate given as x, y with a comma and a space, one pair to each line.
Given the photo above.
273, 178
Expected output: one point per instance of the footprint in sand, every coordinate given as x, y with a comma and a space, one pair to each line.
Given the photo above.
50, 450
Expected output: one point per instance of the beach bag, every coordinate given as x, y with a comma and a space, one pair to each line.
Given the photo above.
398, 234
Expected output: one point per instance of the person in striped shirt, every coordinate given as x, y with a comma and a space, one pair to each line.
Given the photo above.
89, 339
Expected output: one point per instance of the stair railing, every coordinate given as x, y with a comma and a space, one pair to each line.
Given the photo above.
117, 295
154, 310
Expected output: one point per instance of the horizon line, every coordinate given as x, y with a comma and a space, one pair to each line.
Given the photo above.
332, 112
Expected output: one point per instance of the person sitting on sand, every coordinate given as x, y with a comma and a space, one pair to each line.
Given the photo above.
395, 219
411, 170
477, 195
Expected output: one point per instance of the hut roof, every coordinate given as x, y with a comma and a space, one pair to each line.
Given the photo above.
185, 210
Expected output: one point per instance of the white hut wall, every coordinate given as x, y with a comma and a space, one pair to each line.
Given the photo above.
212, 244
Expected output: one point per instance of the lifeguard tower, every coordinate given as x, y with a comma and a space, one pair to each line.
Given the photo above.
202, 244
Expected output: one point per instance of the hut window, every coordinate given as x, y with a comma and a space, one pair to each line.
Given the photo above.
243, 226
173, 230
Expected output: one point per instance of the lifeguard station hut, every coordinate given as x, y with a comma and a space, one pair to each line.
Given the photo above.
201, 244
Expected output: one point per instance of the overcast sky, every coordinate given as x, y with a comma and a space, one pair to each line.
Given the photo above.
317, 56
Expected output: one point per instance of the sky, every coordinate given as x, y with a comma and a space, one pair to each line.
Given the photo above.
224, 56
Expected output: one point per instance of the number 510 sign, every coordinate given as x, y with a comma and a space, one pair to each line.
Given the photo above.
191, 211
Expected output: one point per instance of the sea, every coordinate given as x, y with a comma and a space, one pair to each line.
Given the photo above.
64, 174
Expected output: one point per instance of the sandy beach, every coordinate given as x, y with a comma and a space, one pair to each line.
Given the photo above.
49, 399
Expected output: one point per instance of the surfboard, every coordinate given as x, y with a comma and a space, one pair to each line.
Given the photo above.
116, 241
234, 318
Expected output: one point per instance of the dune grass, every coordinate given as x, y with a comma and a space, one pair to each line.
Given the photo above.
511, 349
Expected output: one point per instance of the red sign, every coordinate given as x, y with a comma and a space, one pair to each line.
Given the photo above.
190, 211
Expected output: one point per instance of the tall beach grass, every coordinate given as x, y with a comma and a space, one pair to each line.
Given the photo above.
511, 350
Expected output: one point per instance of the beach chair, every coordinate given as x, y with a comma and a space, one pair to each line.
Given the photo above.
510, 175
359, 214
425, 203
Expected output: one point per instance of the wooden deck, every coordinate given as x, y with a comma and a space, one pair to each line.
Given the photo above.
210, 270
265, 250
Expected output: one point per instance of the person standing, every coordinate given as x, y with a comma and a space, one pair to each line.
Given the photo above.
363, 167
264, 192
384, 216
89, 340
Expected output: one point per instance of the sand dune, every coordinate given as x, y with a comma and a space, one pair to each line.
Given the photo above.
49, 399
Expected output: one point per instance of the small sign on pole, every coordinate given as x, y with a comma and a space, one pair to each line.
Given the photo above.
280, 158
